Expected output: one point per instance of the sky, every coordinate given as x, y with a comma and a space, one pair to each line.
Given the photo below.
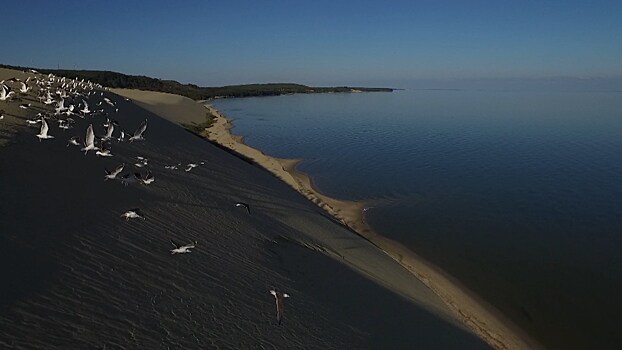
319, 42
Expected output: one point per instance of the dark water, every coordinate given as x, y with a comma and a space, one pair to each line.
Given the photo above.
516, 194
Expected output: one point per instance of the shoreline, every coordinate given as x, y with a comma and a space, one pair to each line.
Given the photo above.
476, 314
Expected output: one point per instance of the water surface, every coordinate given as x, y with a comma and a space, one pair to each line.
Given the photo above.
516, 194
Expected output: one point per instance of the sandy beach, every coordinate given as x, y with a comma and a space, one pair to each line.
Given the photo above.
83, 277
480, 317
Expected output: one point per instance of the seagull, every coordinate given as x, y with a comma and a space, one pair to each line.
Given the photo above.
43, 134
191, 166
242, 204
89, 143
24, 88
138, 134
108, 101
109, 132
133, 214
85, 110
75, 140
5, 93
111, 175
147, 179
33, 121
1, 114
142, 161
24, 106
182, 249
103, 152
121, 137
280, 307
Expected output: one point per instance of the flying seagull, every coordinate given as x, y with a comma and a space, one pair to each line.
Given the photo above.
145, 180
133, 214
138, 134
85, 110
245, 205
103, 152
75, 140
280, 305
109, 132
89, 142
43, 134
191, 166
111, 175
5, 92
182, 249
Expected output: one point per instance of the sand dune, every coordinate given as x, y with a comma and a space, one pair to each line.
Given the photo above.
79, 276
435, 290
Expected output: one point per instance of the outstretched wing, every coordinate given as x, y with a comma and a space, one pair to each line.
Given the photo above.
141, 129
119, 169
44, 127
90, 136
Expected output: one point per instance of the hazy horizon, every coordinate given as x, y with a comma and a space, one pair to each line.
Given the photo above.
321, 43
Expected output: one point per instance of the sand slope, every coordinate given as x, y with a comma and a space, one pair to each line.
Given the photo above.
82, 277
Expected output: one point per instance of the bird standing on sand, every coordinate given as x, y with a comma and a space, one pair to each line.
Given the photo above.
1, 114
133, 214
280, 305
43, 134
244, 205
183, 248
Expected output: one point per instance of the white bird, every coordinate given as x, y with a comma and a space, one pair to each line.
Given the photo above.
89, 141
121, 136
145, 180
133, 214
24, 88
191, 166
280, 304
60, 106
109, 132
138, 134
43, 134
182, 249
1, 114
108, 101
85, 110
103, 152
24, 105
244, 205
75, 140
5, 93
111, 175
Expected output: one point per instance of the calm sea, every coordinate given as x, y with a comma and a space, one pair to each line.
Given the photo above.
516, 194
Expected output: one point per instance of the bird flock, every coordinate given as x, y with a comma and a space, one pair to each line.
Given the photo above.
69, 100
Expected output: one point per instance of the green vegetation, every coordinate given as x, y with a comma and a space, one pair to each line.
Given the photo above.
201, 129
119, 80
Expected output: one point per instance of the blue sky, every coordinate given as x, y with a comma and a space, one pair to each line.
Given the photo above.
318, 42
